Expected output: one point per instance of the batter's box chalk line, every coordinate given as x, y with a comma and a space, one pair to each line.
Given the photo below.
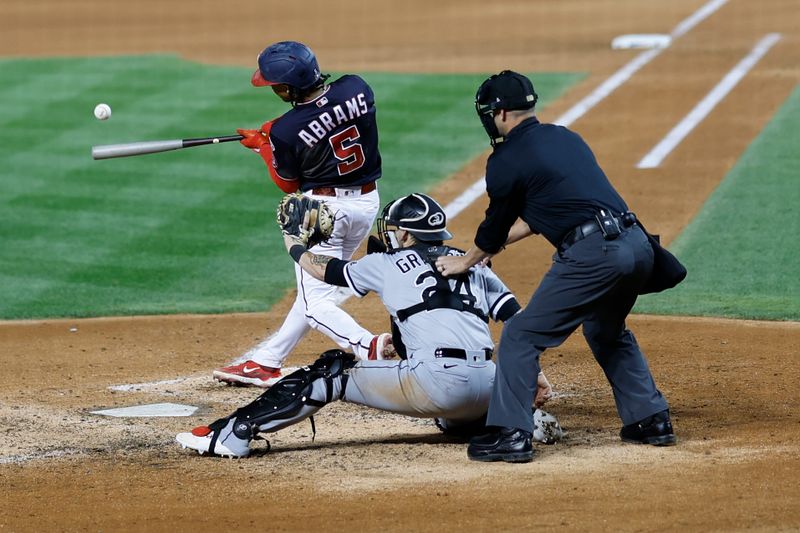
153, 385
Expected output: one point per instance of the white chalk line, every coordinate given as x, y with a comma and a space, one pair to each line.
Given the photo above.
464, 200
661, 150
697, 17
599, 94
474, 191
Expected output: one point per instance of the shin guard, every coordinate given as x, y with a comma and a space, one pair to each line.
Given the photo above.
289, 401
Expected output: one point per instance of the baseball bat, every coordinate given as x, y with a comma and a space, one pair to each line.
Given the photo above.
107, 151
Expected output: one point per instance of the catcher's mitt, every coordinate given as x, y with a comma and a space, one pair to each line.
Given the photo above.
311, 221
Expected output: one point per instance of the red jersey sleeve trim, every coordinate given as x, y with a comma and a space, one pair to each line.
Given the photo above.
284, 184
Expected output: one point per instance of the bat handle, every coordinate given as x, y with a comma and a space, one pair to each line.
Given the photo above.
187, 143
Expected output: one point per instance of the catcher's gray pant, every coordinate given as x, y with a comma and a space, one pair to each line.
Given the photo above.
595, 283
451, 390
446, 388
426, 388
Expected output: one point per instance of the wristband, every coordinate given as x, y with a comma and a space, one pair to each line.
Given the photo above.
297, 251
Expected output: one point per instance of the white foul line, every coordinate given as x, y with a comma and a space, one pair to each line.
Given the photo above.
607, 87
464, 199
707, 104
695, 18
595, 97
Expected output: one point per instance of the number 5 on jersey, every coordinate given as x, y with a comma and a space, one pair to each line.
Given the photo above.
347, 150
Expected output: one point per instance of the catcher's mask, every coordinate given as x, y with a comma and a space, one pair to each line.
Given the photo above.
292, 64
508, 90
417, 213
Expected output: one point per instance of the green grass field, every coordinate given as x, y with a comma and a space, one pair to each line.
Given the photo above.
743, 251
190, 231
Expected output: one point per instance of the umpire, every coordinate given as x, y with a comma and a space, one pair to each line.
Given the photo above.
544, 179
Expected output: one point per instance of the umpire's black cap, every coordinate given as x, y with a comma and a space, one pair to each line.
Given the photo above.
507, 90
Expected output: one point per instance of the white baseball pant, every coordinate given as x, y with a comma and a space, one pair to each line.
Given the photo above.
316, 303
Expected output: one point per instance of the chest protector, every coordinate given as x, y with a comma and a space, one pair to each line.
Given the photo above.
441, 295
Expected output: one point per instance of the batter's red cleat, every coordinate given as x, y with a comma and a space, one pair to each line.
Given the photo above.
381, 347
249, 373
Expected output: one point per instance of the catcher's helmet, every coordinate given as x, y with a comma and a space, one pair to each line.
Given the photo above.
417, 213
290, 63
508, 90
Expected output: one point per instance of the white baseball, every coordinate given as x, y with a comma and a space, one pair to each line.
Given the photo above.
102, 111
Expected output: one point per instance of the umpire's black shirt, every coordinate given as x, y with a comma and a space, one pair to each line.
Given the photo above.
548, 176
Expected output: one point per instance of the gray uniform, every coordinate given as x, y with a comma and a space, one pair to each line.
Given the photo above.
425, 385
447, 375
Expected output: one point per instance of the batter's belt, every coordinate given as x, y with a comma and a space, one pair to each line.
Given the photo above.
332, 191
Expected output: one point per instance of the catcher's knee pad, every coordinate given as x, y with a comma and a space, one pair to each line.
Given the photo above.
285, 400
333, 363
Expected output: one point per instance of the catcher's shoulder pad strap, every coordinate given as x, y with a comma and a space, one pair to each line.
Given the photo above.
431, 253
442, 296
397, 340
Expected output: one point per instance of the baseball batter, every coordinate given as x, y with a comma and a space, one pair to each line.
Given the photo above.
327, 147
441, 332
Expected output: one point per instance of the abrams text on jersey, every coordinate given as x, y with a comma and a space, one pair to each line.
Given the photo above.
325, 123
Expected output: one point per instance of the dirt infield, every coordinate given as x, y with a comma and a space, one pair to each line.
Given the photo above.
731, 384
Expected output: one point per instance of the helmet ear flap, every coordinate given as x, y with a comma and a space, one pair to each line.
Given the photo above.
294, 94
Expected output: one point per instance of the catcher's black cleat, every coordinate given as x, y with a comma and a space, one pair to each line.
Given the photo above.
655, 430
511, 445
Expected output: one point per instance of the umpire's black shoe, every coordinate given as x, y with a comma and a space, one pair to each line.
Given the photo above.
655, 430
511, 445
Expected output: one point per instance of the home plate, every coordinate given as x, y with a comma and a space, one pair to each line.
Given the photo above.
149, 410
641, 40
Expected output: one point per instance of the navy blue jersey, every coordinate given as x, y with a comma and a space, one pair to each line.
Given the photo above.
549, 177
330, 141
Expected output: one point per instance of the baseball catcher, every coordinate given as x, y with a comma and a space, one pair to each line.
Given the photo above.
440, 329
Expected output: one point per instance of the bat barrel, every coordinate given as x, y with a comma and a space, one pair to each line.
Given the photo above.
108, 151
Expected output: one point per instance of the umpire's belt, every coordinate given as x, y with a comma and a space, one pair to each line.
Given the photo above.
471, 356
344, 191
592, 226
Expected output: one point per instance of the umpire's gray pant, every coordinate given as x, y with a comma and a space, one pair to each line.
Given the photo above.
595, 283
